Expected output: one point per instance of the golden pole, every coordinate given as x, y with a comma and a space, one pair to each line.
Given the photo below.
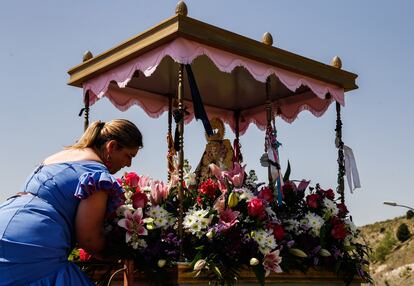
181, 154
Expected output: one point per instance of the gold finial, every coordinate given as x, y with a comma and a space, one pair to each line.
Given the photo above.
87, 56
181, 8
267, 39
336, 62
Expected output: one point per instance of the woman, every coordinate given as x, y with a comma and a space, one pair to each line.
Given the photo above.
64, 201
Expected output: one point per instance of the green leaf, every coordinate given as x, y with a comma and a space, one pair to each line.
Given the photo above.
217, 271
260, 274
287, 173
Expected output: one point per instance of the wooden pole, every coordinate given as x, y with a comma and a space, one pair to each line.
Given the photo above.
129, 272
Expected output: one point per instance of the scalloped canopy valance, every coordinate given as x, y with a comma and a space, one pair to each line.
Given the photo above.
230, 71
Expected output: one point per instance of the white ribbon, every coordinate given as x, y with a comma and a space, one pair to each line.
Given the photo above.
351, 170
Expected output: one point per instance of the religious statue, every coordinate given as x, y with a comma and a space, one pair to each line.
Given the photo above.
218, 151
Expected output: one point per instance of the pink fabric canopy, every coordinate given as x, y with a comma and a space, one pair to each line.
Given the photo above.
147, 79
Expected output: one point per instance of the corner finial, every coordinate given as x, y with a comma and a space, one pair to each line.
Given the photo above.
267, 39
181, 9
87, 56
336, 62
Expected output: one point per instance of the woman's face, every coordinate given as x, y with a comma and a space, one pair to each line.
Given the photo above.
121, 157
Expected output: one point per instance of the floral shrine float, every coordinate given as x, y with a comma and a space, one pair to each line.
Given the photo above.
216, 223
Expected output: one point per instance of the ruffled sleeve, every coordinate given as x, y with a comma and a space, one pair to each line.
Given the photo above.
92, 182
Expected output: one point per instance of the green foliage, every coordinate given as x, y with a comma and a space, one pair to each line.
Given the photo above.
384, 247
410, 214
403, 233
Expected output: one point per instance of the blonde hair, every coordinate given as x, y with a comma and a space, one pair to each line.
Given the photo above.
98, 133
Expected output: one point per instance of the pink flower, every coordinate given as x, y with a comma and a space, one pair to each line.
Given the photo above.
144, 182
159, 192
228, 218
131, 179
83, 255
139, 200
271, 262
133, 223
256, 208
236, 176
216, 171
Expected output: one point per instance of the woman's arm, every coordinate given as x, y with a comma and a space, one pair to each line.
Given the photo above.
89, 223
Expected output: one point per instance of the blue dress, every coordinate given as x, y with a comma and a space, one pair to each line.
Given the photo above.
37, 231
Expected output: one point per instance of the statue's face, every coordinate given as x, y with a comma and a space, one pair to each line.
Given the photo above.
218, 129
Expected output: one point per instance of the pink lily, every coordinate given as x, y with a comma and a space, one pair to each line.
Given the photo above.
216, 171
159, 192
236, 176
133, 223
219, 174
228, 218
271, 262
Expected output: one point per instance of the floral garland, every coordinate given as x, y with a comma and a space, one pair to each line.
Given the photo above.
231, 223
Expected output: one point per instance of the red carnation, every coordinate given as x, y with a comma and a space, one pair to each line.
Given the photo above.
330, 194
313, 201
278, 232
131, 179
266, 194
342, 210
256, 208
209, 188
139, 200
338, 229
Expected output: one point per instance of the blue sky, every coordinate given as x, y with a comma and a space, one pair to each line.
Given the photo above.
41, 40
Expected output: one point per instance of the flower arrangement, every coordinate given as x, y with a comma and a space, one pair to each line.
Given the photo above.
232, 223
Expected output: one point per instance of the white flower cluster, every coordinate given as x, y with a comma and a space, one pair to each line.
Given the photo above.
160, 217
137, 242
265, 240
292, 225
313, 222
195, 221
246, 194
330, 208
350, 238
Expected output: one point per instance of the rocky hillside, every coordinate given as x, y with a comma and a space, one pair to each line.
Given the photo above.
392, 261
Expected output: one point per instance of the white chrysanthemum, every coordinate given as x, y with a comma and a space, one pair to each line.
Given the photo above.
196, 221
161, 218
291, 225
313, 222
330, 207
265, 240
246, 194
